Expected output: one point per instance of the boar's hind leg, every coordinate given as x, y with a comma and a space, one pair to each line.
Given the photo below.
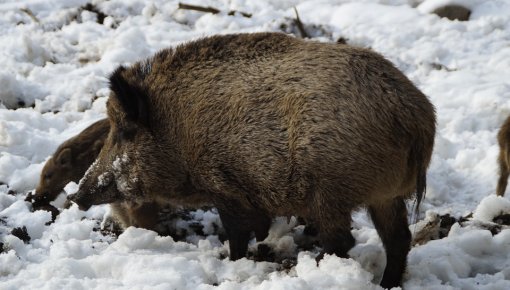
239, 223
390, 220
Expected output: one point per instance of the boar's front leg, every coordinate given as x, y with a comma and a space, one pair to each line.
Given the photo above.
335, 234
238, 236
239, 222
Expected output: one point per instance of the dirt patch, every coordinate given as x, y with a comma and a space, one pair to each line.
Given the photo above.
453, 12
21, 233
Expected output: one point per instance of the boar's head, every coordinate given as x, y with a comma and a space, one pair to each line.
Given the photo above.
130, 150
56, 173
70, 161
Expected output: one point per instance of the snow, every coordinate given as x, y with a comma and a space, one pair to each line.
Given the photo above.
56, 59
119, 172
491, 207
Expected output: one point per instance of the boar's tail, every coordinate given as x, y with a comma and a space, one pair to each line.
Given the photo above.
421, 157
421, 187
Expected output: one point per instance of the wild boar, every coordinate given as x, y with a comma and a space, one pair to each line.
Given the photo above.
69, 163
265, 125
71, 159
504, 157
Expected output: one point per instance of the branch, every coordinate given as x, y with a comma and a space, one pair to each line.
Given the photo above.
210, 10
29, 13
198, 8
300, 26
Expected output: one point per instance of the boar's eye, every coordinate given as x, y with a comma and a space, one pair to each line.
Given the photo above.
126, 135
47, 176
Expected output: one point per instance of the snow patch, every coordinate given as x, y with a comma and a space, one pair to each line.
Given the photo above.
491, 207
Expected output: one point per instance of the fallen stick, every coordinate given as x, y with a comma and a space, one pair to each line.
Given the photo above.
210, 10
300, 26
30, 14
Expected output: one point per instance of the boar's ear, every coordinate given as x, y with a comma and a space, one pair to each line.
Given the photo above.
130, 96
98, 145
64, 158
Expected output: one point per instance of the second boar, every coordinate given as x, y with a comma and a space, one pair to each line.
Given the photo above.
71, 159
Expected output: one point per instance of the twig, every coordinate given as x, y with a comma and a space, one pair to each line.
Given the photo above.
198, 8
245, 14
300, 25
210, 10
29, 13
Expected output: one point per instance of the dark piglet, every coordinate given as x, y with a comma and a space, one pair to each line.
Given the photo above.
70, 161
263, 125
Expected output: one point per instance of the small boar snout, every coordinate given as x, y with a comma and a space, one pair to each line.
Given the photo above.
38, 197
41, 196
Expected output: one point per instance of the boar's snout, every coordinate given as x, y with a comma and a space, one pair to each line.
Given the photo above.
82, 199
41, 197
96, 190
38, 197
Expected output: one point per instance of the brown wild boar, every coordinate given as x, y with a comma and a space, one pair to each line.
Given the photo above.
71, 159
69, 163
265, 125
504, 157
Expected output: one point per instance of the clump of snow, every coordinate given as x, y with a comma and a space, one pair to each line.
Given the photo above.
61, 199
332, 272
469, 258
280, 236
121, 173
104, 179
18, 215
428, 6
71, 188
209, 220
491, 207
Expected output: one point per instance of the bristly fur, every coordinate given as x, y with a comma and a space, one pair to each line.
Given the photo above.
127, 87
264, 125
